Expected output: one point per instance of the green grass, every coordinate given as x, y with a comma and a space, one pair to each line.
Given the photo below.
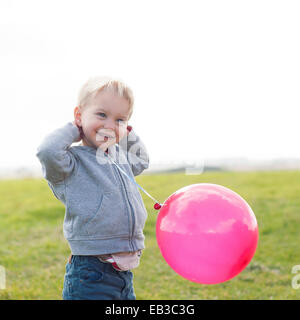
34, 252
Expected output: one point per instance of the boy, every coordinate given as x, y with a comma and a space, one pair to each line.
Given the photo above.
105, 213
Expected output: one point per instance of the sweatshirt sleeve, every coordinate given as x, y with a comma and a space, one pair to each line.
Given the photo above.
137, 154
57, 161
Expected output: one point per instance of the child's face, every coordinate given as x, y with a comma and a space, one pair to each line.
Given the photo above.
105, 115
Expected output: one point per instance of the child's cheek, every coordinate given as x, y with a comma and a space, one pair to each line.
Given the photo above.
122, 131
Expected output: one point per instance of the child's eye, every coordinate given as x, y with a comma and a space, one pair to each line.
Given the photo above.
103, 115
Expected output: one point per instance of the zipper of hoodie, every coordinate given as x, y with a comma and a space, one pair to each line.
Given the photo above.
131, 215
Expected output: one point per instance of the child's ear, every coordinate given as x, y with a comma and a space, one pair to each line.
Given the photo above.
77, 116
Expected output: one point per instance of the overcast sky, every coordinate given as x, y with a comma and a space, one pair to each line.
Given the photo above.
211, 79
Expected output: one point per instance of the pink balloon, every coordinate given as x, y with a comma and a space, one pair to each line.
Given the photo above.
206, 233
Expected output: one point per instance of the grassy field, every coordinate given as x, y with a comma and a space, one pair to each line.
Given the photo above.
34, 252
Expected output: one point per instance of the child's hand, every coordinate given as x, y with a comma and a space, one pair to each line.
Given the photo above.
80, 130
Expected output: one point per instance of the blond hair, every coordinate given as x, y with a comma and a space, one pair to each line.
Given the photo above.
96, 84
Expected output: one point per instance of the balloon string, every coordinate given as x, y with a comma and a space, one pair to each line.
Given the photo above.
134, 181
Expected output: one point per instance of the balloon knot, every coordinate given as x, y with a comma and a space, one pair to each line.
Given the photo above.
157, 206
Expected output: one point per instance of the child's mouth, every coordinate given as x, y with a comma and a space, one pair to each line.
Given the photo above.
104, 138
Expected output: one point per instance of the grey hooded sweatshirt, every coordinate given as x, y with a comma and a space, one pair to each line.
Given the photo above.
104, 210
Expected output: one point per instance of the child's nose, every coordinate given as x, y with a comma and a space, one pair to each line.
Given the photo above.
110, 125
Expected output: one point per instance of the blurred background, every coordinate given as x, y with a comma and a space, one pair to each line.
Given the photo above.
216, 83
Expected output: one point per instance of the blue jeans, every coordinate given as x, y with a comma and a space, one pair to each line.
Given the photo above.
87, 278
